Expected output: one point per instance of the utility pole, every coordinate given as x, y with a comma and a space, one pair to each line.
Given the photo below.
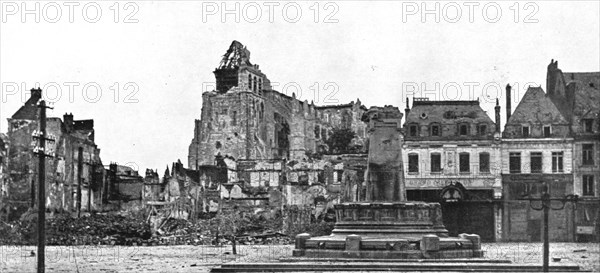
41, 152
79, 172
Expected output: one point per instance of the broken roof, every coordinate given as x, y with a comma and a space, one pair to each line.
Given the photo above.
236, 56
29, 110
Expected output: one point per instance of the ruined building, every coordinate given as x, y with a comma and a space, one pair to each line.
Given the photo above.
76, 167
276, 153
244, 118
3, 168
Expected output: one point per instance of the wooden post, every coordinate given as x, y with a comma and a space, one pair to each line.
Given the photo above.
42, 191
79, 179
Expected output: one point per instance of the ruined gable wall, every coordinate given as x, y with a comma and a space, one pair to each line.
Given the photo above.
340, 117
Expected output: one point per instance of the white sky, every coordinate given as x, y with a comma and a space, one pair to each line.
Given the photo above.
369, 53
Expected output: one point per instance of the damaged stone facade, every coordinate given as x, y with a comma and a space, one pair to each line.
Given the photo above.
62, 171
3, 168
244, 118
122, 188
99, 189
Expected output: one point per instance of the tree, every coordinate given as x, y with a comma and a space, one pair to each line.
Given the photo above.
228, 223
339, 141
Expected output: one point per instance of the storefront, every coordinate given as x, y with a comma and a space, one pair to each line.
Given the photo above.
463, 210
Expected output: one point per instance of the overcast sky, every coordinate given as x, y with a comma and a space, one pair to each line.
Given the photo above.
161, 56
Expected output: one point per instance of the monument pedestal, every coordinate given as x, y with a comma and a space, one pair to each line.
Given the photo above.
398, 230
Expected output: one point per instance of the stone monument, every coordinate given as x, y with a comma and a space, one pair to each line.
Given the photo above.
386, 225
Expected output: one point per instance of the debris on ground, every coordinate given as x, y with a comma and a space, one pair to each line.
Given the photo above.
115, 229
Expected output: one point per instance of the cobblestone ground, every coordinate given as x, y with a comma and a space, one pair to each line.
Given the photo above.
202, 258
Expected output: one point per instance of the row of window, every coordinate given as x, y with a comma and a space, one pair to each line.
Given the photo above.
587, 126
435, 129
536, 159
514, 162
526, 132
464, 163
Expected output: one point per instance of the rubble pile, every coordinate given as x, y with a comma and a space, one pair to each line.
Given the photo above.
114, 229
65, 230
97, 229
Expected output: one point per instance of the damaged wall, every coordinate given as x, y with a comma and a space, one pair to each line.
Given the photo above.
61, 170
245, 119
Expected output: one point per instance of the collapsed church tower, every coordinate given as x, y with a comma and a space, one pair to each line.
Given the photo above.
244, 118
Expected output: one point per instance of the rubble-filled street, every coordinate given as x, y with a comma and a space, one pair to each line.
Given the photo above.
188, 258
299, 136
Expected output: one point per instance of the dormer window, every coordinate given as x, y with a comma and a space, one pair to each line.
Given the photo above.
463, 129
525, 130
547, 131
413, 130
482, 129
588, 125
435, 130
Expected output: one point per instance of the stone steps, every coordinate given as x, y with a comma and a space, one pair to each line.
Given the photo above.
428, 266
470, 260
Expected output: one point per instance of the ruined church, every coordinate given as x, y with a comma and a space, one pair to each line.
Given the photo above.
244, 118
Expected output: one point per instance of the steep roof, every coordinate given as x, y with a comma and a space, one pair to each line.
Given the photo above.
236, 56
590, 79
29, 110
536, 106
447, 112
587, 101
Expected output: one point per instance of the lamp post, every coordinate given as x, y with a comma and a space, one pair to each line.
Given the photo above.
546, 206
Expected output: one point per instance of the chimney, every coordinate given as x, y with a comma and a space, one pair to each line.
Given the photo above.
406, 110
36, 93
68, 120
497, 108
508, 101
551, 77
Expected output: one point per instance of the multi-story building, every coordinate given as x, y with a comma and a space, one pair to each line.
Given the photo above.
72, 138
244, 118
552, 141
537, 149
577, 96
451, 155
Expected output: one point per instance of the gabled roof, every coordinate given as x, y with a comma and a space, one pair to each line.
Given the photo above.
447, 112
29, 110
537, 107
